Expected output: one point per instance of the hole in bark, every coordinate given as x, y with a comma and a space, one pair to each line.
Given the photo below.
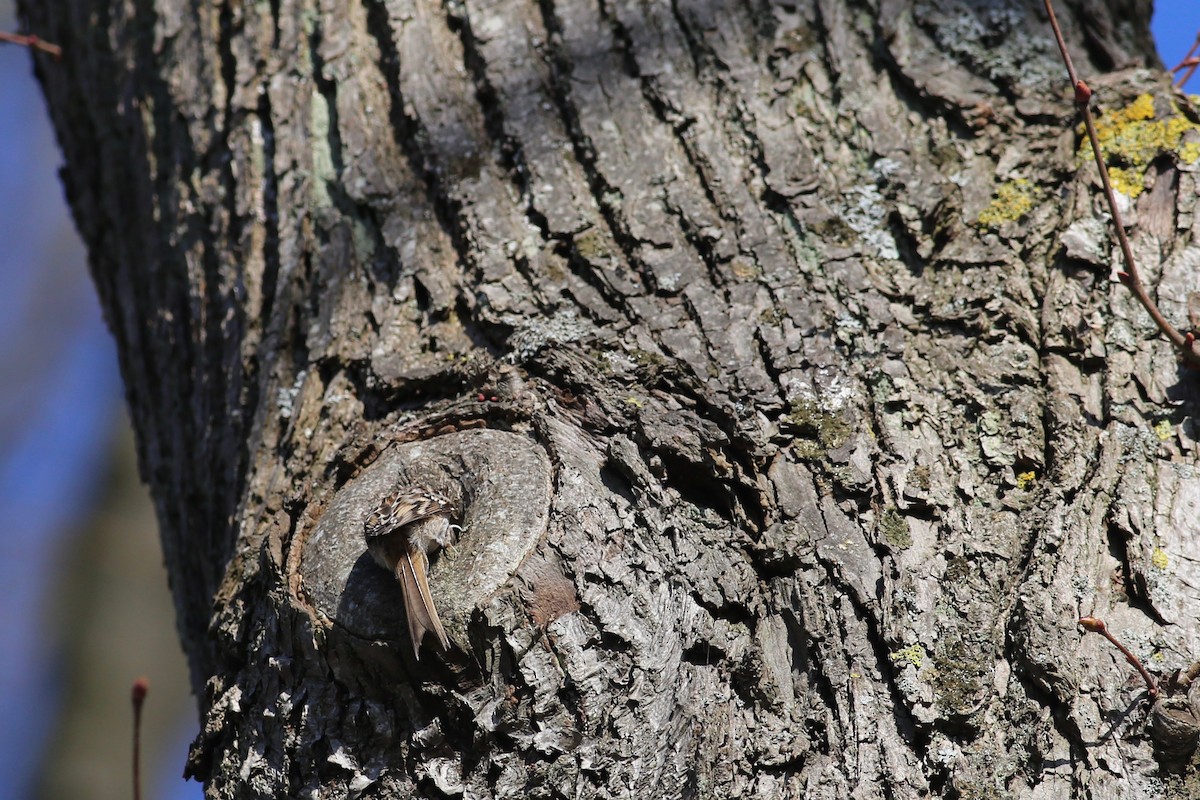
703, 654
613, 643
615, 480
697, 487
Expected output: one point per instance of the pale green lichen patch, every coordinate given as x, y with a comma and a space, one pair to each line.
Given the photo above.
743, 269
592, 246
818, 431
1133, 136
322, 157
894, 529
995, 438
921, 478
957, 569
770, 316
866, 213
1012, 200
958, 673
1162, 429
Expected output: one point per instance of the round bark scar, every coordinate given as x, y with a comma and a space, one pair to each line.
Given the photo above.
501, 484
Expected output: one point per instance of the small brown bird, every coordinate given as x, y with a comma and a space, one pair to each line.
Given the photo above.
408, 526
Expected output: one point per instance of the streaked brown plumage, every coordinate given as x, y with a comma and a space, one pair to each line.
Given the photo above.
408, 525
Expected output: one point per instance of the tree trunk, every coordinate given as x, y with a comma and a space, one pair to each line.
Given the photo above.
766, 351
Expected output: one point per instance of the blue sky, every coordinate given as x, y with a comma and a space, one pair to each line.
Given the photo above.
1175, 27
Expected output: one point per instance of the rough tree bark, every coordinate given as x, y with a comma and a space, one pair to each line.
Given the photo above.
768, 350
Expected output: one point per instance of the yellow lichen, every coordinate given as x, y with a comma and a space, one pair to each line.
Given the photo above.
1162, 429
1158, 558
1127, 182
1025, 478
1132, 137
1012, 201
914, 654
633, 401
1141, 108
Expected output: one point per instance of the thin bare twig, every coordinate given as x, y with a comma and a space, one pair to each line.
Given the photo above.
137, 696
1096, 625
1188, 62
1184, 343
31, 41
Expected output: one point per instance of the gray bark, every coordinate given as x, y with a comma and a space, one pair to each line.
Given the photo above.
788, 453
